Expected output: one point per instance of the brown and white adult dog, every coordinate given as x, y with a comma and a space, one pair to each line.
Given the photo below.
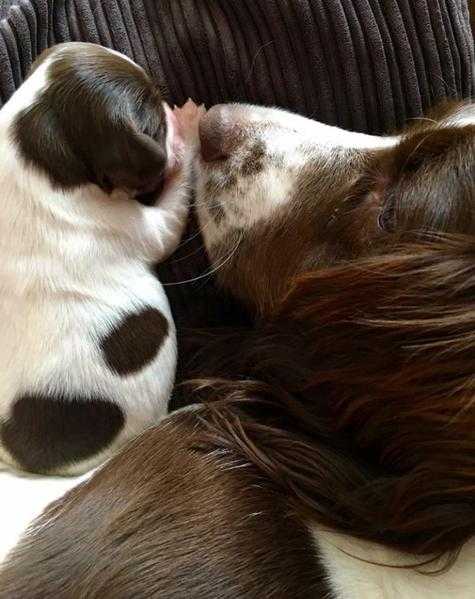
340, 444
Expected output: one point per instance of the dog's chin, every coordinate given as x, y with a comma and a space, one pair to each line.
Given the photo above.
190, 283
198, 305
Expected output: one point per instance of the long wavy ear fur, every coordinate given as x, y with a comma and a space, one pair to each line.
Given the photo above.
366, 407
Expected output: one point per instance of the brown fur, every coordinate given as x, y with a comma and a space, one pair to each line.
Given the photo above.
272, 247
135, 341
168, 519
100, 120
364, 410
356, 393
65, 424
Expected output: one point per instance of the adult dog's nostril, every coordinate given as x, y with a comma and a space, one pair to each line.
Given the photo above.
215, 129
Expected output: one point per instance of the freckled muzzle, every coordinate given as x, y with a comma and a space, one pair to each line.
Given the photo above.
233, 167
232, 146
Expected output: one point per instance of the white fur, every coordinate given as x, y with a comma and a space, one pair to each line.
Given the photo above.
23, 499
290, 142
351, 577
72, 265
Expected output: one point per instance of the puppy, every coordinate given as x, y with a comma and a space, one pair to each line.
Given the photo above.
94, 179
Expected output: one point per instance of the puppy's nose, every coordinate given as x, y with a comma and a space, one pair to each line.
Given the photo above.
216, 129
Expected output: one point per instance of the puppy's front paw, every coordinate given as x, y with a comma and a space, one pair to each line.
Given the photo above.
182, 133
188, 118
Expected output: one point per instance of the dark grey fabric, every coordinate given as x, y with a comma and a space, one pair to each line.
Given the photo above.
363, 64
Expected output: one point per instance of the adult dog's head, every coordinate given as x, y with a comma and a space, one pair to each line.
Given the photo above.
280, 195
358, 255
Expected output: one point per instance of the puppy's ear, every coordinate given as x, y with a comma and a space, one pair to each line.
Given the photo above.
125, 158
83, 147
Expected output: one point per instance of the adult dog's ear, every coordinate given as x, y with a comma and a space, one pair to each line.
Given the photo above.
394, 365
426, 181
360, 405
98, 120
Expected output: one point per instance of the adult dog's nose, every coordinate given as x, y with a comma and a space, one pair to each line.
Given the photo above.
216, 133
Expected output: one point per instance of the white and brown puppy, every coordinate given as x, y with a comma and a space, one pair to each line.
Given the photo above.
94, 184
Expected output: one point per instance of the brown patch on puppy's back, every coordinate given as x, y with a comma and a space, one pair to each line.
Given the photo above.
135, 341
47, 433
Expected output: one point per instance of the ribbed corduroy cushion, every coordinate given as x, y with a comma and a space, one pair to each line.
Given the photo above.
363, 64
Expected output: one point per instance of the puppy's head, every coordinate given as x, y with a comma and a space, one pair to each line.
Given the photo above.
279, 195
86, 115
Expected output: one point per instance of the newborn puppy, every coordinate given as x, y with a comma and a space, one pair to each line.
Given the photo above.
94, 179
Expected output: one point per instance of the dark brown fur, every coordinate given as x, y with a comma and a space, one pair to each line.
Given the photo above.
356, 393
135, 341
363, 411
48, 432
168, 519
100, 120
348, 403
